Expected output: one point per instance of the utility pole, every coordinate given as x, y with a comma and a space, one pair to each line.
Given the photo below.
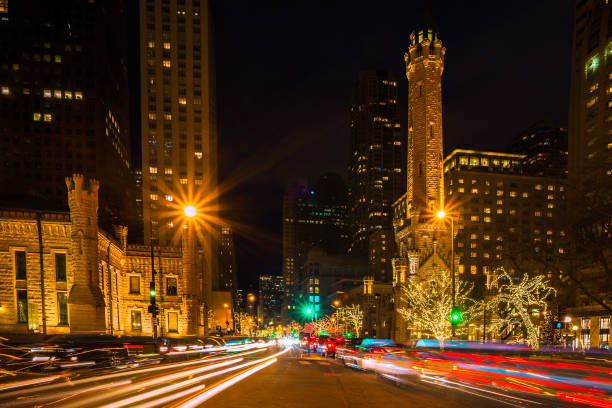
153, 309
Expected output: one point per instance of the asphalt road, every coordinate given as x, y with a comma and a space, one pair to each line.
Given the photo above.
262, 376
300, 380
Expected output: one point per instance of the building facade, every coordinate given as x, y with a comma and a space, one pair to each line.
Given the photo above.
545, 149
64, 104
227, 278
376, 159
61, 273
505, 215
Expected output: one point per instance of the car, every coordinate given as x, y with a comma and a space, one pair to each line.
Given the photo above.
73, 351
328, 346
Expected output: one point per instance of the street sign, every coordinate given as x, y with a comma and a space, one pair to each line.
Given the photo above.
155, 321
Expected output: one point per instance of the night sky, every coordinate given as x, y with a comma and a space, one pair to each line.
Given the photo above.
285, 70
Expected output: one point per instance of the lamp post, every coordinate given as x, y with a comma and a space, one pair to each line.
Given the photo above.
442, 214
226, 306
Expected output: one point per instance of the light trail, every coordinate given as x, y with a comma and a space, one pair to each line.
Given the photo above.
26, 383
154, 381
144, 370
194, 402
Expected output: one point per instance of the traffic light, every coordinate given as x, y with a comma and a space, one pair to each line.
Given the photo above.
455, 316
152, 292
558, 325
153, 309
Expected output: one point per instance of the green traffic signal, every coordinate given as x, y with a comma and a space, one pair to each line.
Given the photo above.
152, 292
308, 311
455, 316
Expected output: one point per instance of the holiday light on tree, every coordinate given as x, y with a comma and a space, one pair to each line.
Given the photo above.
429, 305
514, 300
352, 315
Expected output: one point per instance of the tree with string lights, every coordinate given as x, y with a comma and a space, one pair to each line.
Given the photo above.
353, 317
515, 299
429, 305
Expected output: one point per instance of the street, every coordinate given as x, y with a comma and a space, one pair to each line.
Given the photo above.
255, 375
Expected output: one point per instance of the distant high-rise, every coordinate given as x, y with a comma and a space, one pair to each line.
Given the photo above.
376, 160
64, 104
227, 278
178, 113
271, 293
545, 150
313, 217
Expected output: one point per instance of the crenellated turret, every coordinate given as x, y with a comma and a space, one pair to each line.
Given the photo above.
85, 301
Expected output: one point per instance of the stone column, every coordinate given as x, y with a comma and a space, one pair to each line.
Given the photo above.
86, 309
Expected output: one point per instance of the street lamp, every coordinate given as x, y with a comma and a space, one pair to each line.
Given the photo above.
442, 214
190, 211
226, 306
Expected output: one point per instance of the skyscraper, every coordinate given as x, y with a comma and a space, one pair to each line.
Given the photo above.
376, 160
64, 104
178, 113
313, 217
271, 293
227, 278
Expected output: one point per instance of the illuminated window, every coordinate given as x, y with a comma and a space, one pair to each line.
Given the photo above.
152, 115
168, 197
525, 195
57, 93
538, 213
198, 155
47, 93
26, 91
461, 189
461, 268
487, 219
591, 66
513, 194
550, 197
197, 101
474, 245
198, 181
484, 161
474, 218
136, 320
512, 212
473, 269
551, 205
166, 45
48, 117
500, 193
183, 181
151, 44
5, 90
560, 250
167, 116
463, 160
460, 181
166, 63
486, 255
68, 94
538, 187
168, 171
78, 95
500, 202
500, 211
58, 59
37, 116
474, 191
473, 236
487, 210
549, 214
551, 188
182, 101
153, 197
153, 170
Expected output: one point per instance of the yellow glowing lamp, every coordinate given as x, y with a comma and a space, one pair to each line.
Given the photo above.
441, 214
190, 211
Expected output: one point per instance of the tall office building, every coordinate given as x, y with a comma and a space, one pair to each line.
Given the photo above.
271, 293
178, 114
313, 217
590, 147
227, 278
376, 160
64, 104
